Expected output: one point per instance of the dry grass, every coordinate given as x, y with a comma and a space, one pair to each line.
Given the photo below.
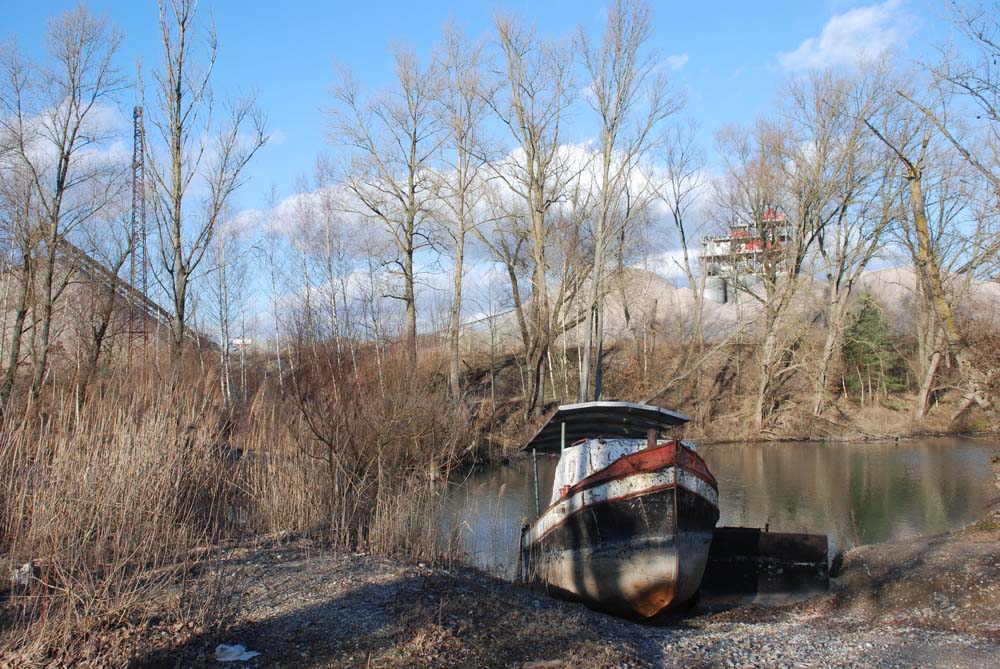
118, 506
110, 506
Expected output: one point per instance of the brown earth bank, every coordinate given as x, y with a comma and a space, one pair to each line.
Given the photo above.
933, 601
845, 421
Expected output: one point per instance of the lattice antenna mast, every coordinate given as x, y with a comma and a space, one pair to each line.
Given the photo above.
138, 278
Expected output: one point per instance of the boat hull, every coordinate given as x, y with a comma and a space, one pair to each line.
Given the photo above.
632, 539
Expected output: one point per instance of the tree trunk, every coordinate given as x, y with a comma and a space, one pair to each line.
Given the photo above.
515, 296
599, 369
335, 333
831, 349
17, 330
931, 275
455, 357
926, 385
409, 298
762, 408
178, 323
540, 317
536, 385
593, 305
98, 336
41, 362
583, 392
179, 269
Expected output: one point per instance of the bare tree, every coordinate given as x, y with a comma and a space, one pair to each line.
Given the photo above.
537, 78
630, 96
780, 187
228, 267
865, 187
912, 144
503, 238
204, 159
806, 179
972, 76
953, 192
331, 247
684, 161
393, 138
269, 249
463, 109
105, 247
20, 239
966, 75
47, 114
749, 195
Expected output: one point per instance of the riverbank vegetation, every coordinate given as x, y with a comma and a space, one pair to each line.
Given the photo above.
154, 413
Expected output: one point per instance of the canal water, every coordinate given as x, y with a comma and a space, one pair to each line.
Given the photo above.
855, 493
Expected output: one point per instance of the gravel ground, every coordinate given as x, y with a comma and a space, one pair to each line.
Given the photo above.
929, 602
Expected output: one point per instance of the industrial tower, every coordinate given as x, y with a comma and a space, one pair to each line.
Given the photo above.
737, 258
137, 266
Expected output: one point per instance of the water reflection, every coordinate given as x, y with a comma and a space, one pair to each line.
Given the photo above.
855, 493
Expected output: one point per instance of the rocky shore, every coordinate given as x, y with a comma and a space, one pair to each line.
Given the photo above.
933, 601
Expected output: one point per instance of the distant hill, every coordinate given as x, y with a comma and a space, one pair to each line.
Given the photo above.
895, 290
650, 296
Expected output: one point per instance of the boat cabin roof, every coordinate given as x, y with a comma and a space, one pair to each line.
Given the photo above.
610, 420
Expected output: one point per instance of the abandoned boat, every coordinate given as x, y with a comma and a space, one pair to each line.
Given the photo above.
631, 516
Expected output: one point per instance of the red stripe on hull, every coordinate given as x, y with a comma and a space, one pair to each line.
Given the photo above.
646, 460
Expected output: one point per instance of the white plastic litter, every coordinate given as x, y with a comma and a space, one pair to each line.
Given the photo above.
22, 575
236, 653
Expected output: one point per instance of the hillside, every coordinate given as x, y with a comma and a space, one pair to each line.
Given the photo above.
651, 298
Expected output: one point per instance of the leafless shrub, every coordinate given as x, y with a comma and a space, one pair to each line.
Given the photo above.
121, 508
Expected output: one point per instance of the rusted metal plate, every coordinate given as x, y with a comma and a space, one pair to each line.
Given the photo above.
748, 564
754, 543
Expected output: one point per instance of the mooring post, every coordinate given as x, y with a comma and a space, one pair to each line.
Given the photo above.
534, 463
522, 566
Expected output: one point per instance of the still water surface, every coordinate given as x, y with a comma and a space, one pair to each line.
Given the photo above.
855, 493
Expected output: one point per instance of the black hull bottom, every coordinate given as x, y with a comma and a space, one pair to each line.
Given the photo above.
635, 556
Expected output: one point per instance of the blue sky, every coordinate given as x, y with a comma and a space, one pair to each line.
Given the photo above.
731, 56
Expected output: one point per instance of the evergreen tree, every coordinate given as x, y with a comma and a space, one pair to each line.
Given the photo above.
871, 363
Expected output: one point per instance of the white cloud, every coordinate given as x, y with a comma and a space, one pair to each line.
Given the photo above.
297, 226
105, 137
676, 61
856, 35
276, 136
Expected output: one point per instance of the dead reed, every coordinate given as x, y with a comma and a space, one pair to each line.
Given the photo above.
119, 505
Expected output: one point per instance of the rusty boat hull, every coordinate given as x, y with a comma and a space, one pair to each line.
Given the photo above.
631, 539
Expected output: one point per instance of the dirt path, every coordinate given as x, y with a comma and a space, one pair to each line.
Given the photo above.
930, 602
